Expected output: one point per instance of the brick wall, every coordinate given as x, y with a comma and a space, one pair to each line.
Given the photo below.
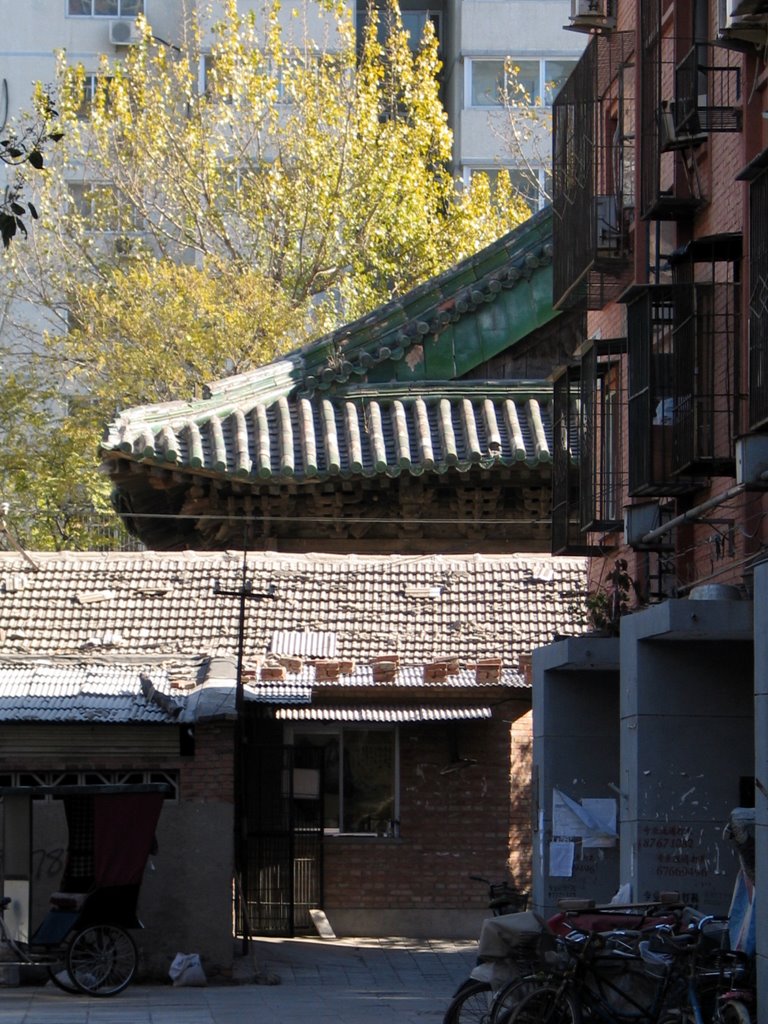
209, 775
452, 824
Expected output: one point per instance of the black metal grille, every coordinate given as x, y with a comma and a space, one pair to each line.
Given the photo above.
705, 346
758, 301
706, 94
566, 533
683, 373
669, 183
650, 339
593, 172
280, 856
602, 476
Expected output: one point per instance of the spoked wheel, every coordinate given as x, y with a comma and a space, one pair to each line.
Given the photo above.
101, 960
510, 996
61, 977
547, 1005
471, 1005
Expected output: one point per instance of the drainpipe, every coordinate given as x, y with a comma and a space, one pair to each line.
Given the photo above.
694, 513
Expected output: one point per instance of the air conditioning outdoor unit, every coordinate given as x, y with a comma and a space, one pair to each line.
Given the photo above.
593, 15
124, 33
742, 8
739, 29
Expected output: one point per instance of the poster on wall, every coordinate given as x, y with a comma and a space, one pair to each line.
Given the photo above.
591, 822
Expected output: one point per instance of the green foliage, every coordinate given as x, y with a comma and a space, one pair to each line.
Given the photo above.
23, 146
606, 605
188, 232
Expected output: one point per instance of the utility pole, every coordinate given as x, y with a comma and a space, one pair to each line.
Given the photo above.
243, 593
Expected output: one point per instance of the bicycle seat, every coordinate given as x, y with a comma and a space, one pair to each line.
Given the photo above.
68, 900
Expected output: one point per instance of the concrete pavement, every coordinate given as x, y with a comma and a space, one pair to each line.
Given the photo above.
347, 981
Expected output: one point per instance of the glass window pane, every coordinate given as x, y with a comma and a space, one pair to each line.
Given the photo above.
487, 83
105, 7
329, 744
369, 761
555, 74
524, 81
130, 8
80, 7
526, 183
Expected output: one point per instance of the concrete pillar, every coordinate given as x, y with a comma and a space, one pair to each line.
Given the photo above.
761, 776
576, 753
686, 746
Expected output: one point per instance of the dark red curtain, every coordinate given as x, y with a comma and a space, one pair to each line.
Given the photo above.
124, 828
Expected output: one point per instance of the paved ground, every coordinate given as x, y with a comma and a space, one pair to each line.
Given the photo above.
351, 981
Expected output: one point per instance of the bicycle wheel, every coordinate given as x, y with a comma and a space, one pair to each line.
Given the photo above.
549, 1004
733, 1012
508, 998
61, 978
101, 960
471, 1005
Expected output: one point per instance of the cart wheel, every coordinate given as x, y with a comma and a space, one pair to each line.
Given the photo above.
60, 977
101, 960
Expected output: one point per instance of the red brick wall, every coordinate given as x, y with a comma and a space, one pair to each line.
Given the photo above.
209, 775
451, 825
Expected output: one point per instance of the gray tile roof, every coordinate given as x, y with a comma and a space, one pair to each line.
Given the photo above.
78, 633
365, 431
46, 691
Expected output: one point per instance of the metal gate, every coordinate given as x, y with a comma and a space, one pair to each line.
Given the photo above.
280, 816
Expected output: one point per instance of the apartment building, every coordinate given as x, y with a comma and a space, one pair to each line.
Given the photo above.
658, 721
476, 36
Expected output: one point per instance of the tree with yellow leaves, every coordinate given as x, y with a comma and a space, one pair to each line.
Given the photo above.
222, 201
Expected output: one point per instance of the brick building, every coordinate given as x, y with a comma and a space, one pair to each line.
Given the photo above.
660, 179
380, 755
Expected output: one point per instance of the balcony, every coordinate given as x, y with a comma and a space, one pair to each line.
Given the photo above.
593, 172
683, 396
588, 482
707, 95
670, 187
756, 173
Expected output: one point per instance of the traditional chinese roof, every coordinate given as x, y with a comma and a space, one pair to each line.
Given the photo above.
395, 394
153, 637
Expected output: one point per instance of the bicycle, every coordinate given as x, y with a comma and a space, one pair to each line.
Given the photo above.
666, 979
83, 940
471, 1003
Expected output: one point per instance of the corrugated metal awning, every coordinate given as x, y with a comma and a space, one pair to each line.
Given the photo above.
304, 644
383, 715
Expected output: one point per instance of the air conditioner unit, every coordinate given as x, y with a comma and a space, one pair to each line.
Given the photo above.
124, 33
742, 8
609, 236
742, 31
593, 15
670, 138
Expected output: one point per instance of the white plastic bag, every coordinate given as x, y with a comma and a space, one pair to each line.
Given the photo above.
186, 969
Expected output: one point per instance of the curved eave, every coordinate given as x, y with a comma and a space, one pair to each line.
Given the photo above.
358, 435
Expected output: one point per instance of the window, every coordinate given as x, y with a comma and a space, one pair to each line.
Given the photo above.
91, 84
533, 183
359, 788
103, 208
528, 80
93, 778
414, 22
105, 8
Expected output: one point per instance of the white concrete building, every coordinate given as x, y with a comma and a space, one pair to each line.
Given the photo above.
475, 38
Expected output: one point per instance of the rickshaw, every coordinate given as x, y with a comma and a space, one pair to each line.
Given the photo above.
84, 939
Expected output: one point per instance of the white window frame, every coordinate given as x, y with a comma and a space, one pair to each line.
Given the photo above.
542, 91
78, 191
491, 169
98, 14
338, 729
